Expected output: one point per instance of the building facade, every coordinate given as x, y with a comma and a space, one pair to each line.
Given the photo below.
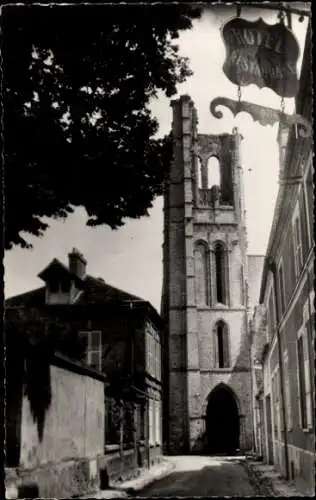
284, 321
110, 331
206, 349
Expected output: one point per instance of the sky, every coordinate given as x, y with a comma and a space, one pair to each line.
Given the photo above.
130, 258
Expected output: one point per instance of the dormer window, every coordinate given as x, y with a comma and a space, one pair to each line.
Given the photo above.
63, 285
53, 286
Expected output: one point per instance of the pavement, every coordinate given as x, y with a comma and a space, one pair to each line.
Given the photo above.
204, 476
133, 486
271, 480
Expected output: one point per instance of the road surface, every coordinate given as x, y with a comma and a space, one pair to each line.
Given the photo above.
204, 476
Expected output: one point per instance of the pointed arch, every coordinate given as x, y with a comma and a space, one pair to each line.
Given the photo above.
222, 418
222, 357
202, 273
218, 387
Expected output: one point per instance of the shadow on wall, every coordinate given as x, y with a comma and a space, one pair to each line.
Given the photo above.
37, 381
32, 338
200, 445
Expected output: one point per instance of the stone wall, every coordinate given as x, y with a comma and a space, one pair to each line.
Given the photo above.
193, 217
74, 421
59, 445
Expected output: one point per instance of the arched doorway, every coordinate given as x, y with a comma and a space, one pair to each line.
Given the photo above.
222, 421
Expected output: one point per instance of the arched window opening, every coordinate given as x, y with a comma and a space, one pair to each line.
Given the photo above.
199, 173
222, 346
201, 257
213, 172
220, 274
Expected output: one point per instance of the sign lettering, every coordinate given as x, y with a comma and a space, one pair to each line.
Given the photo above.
261, 54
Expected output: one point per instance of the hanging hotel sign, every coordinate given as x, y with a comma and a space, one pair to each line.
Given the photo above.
262, 54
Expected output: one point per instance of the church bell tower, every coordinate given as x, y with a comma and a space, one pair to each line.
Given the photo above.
206, 360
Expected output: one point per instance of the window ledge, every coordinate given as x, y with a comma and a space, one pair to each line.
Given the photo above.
219, 370
111, 447
307, 430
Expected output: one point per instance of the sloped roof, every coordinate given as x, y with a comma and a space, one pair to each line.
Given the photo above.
94, 291
33, 298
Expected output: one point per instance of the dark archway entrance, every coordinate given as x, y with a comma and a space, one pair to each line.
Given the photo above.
222, 421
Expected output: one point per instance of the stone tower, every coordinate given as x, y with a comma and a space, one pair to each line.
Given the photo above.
206, 362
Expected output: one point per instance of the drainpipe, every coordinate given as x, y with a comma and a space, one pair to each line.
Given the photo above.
272, 267
252, 333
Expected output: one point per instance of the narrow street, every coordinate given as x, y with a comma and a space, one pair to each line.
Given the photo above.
205, 476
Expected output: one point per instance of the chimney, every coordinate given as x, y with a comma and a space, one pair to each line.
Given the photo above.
77, 263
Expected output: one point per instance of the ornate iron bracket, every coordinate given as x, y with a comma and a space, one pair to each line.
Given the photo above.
265, 116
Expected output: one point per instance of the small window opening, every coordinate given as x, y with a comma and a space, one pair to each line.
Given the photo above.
54, 286
199, 173
220, 346
220, 285
65, 286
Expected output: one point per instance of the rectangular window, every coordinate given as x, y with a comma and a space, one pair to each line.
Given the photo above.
275, 405
242, 285
151, 355
149, 362
54, 286
287, 384
93, 349
270, 318
151, 421
155, 359
297, 243
300, 354
310, 200
142, 421
304, 380
158, 440
281, 289
159, 360
271, 314
278, 405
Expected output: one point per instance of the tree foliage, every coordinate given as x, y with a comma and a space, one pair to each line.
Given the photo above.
77, 82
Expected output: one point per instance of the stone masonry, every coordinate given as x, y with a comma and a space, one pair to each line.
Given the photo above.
198, 219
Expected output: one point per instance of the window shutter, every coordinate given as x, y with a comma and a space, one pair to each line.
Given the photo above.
307, 380
150, 418
288, 405
302, 389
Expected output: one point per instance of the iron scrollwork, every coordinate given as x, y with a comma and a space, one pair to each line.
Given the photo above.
262, 114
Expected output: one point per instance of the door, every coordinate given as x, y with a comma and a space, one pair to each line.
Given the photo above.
222, 422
